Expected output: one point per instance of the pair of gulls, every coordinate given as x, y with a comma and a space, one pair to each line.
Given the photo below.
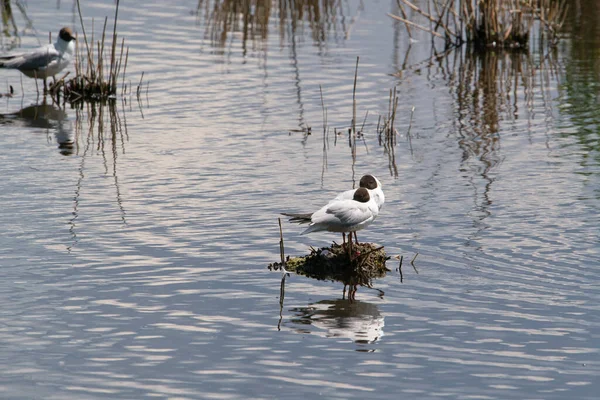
348, 212
46, 61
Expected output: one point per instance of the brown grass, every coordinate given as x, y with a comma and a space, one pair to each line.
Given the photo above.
98, 68
485, 23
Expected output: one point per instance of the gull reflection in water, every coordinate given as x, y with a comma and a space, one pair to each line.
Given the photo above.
48, 117
358, 321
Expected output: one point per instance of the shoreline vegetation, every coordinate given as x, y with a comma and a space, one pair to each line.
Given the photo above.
101, 63
485, 24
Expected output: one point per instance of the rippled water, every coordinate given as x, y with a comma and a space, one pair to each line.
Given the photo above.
135, 240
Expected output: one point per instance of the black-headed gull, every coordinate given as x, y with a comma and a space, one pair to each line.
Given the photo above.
345, 216
368, 182
45, 61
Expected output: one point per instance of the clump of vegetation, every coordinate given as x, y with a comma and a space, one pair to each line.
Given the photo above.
333, 263
98, 69
486, 23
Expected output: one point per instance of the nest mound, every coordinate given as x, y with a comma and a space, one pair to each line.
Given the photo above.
334, 263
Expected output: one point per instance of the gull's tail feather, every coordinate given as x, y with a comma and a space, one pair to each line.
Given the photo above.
4, 59
298, 218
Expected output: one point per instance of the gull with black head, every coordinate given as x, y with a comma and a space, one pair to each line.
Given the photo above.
368, 182
45, 61
345, 216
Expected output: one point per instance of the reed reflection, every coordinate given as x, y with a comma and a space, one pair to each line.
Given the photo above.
251, 22
581, 85
490, 89
326, 20
101, 131
10, 37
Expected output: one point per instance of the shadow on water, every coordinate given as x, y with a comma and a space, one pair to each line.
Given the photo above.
49, 117
97, 129
356, 320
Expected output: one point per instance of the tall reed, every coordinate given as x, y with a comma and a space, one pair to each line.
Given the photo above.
485, 23
96, 73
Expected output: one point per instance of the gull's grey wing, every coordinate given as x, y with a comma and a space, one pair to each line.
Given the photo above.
347, 195
39, 58
348, 212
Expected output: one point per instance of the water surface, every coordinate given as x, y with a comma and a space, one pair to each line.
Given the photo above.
135, 239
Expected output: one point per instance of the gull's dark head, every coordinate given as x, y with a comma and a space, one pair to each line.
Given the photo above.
361, 195
66, 34
369, 182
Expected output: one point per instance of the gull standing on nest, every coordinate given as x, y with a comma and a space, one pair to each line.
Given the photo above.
368, 182
341, 215
373, 185
45, 61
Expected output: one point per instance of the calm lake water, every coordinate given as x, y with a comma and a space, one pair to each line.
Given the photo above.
135, 241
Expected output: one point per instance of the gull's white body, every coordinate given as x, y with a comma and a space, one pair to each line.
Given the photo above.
376, 194
343, 216
43, 62
350, 211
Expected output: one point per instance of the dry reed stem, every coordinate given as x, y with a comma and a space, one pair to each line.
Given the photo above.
407, 26
354, 97
486, 23
125, 70
83, 29
415, 25
98, 81
112, 79
281, 248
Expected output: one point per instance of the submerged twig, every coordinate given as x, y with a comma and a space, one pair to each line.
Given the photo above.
400, 269
413, 263
412, 112
407, 22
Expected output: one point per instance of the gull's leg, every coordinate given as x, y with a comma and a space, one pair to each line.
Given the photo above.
350, 247
355, 238
45, 86
343, 238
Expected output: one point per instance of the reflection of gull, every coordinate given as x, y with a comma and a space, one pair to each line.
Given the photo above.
46, 61
359, 321
48, 117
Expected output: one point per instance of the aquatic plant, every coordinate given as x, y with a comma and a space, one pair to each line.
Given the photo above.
10, 37
486, 23
336, 264
98, 69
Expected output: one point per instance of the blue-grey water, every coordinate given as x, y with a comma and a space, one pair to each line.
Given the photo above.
135, 242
